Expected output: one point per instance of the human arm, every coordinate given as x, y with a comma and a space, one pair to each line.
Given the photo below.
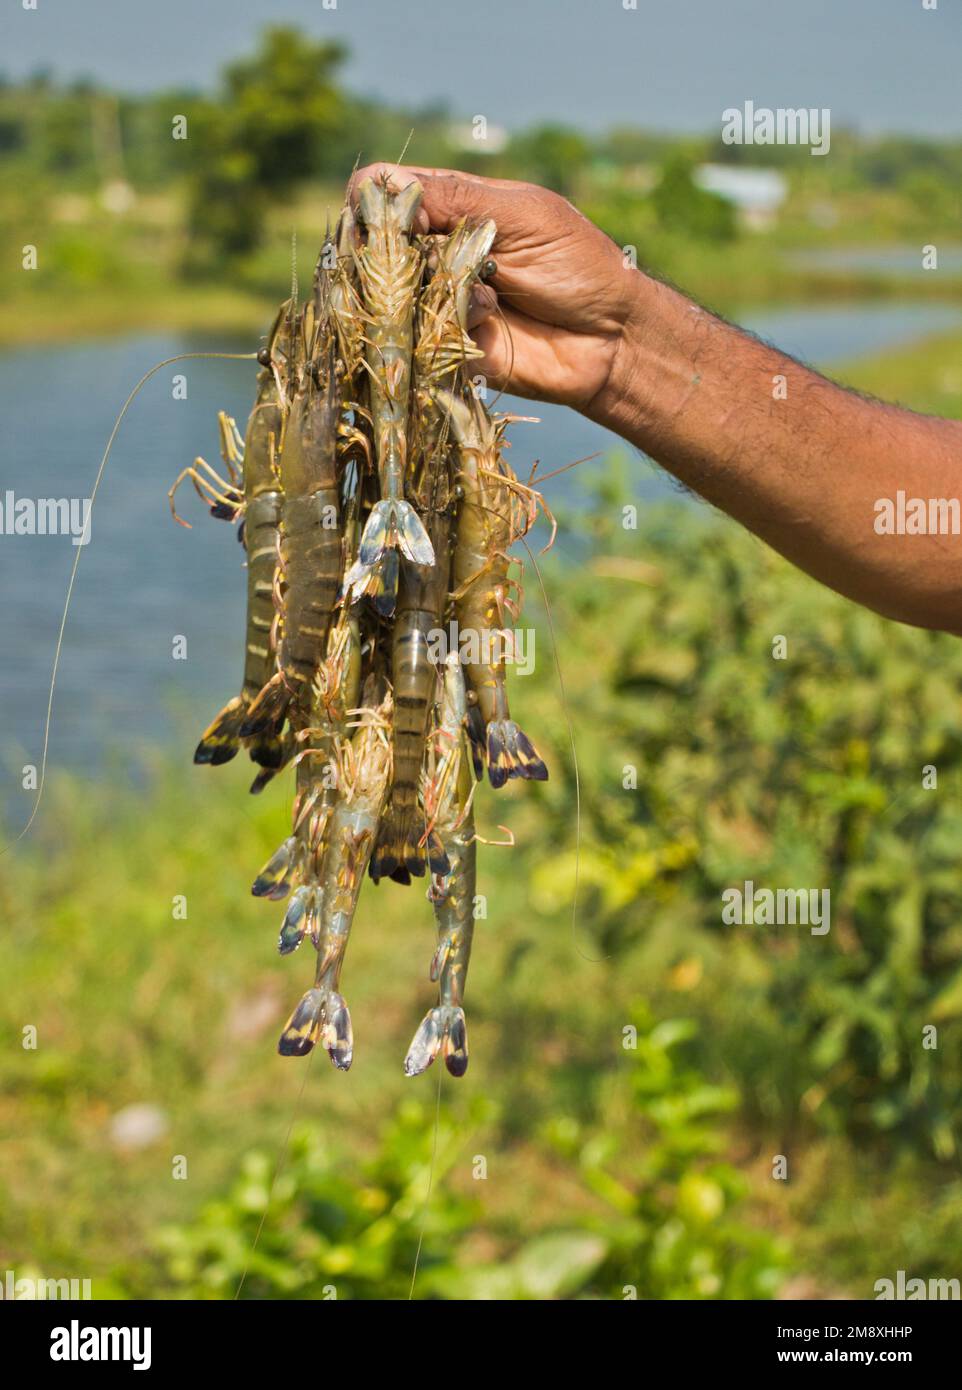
796, 458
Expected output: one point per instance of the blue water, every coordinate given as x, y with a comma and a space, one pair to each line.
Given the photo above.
828, 333
143, 580
901, 260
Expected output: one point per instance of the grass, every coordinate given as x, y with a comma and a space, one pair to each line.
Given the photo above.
133, 1005
100, 273
926, 376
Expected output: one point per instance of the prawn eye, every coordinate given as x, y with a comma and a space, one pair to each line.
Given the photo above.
488, 269
264, 356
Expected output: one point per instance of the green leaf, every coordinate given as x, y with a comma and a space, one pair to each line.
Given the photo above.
556, 1265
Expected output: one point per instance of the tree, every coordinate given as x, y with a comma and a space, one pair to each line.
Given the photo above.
684, 207
552, 155
278, 112
281, 105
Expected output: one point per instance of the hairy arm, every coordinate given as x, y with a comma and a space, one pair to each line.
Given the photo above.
797, 459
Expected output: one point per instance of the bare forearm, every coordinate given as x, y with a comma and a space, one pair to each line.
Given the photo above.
798, 460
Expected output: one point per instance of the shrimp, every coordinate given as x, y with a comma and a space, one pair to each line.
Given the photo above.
492, 515
442, 346
345, 305
443, 341
376, 506
389, 270
335, 691
259, 507
322, 1012
449, 794
423, 595
309, 541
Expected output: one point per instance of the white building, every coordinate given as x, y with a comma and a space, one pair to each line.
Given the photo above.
757, 194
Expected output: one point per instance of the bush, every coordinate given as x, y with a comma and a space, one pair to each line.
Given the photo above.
330, 1228
803, 772
683, 207
327, 1228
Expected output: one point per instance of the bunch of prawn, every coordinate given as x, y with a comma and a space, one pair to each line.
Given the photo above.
375, 506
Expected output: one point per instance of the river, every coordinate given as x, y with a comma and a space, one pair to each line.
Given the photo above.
144, 581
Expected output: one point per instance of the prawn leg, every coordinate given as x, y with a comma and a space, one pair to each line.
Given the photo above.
488, 524
443, 1030
322, 1013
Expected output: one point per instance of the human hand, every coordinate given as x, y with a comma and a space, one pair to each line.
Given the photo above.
551, 321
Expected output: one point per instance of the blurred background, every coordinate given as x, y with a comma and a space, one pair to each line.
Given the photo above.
637, 1067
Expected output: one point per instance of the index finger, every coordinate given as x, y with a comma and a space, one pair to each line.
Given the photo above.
451, 194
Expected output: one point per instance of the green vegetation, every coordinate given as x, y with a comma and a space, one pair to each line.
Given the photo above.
271, 129
634, 1074
667, 1224
680, 207
926, 376
657, 1146
137, 229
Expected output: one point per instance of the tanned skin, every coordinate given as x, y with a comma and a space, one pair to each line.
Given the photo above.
576, 326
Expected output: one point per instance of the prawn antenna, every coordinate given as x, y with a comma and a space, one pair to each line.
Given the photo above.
509, 337
404, 150
167, 362
285, 1146
427, 1196
595, 960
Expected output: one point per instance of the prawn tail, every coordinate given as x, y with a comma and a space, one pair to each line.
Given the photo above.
265, 715
221, 740
438, 861
512, 754
413, 539
474, 724
394, 523
379, 584
269, 751
299, 919
321, 1016
274, 880
405, 848
337, 1033
442, 1031
303, 1028
272, 753
266, 775
393, 526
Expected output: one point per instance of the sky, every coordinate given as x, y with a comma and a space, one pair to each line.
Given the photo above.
878, 65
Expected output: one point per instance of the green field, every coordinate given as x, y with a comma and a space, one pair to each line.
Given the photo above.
658, 1101
606, 1165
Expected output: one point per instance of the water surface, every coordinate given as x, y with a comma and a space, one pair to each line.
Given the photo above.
144, 581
